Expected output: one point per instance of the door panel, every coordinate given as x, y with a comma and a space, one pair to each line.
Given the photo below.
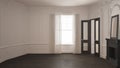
85, 36
85, 48
85, 31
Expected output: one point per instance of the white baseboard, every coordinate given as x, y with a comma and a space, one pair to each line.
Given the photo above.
38, 48
12, 51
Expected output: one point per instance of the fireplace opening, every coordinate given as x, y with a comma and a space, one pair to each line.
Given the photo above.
112, 53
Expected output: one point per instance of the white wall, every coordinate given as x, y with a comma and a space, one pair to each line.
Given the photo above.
13, 29
39, 40
24, 30
105, 9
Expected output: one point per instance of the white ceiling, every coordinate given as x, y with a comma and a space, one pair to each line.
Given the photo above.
58, 2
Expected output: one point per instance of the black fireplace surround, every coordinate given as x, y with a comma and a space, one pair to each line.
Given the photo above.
113, 43
113, 52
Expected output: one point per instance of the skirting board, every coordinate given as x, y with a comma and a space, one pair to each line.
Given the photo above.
11, 51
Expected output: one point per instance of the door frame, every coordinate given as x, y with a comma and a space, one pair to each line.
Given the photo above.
96, 42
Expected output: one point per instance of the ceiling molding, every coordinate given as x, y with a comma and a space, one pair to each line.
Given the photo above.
57, 3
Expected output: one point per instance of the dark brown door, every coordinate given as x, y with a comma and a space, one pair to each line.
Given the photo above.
97, 36
85, 36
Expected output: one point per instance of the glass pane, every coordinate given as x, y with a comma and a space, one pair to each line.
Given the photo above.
85, 47
119, 31
67, 37
85, 31
92, 36
66, 26
64, 29
114, 27
97, 48
97, 30
67, 22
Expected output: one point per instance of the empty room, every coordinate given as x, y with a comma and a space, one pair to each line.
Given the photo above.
59, 33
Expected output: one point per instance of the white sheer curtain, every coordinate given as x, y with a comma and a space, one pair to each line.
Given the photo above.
53, 42
77, 49
57, 34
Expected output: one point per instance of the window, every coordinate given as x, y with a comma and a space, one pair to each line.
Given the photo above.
65, 29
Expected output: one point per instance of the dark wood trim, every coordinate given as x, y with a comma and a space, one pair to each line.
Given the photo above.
95, 18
